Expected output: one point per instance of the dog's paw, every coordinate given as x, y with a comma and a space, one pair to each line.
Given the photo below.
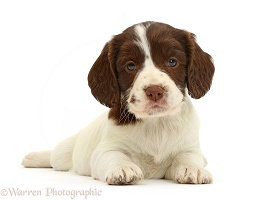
37, 159
124, 175
30, 160
192, 174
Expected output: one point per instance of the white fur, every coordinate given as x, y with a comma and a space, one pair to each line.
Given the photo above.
155, 148
140, 30
160, 145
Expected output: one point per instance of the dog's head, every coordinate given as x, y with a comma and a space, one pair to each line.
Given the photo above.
146, 71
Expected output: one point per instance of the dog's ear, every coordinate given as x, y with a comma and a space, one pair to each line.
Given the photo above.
200, 70
102, 79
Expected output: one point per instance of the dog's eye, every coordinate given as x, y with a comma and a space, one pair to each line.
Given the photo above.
172, 62
131, 66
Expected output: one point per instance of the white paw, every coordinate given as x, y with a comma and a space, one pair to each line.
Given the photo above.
124, 175
37, 159
30, 160
192, 174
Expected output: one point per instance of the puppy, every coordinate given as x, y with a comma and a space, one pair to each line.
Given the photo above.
144, 75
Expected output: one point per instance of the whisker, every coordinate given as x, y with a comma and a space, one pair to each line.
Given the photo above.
124, 114
131, 121
127, 117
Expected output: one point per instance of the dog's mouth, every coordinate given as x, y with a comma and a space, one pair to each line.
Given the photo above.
155, 108
150, 109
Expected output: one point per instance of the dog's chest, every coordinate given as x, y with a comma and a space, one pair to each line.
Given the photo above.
150, 167
158, 145
156, 141
153, 152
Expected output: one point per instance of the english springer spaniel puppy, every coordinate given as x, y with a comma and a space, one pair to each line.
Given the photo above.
144, 75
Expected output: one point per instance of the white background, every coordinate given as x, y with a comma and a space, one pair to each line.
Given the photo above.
46, 51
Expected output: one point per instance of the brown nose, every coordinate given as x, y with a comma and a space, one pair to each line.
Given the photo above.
154, 92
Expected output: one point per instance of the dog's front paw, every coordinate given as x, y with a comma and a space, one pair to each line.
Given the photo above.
124, 175
192, 174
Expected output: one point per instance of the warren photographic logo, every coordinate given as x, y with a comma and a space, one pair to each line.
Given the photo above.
51, 192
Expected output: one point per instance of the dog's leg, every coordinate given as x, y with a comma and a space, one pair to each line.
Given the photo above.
37, 159
60, 158
188, 168
115, 168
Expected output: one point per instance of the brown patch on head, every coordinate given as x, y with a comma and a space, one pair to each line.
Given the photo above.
167, 43
125, 53
129, 53
110, 77
194, 68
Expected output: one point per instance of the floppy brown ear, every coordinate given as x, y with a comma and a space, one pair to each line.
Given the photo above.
102, 80
200, 70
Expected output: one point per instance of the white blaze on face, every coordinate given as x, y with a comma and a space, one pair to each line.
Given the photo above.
138, 103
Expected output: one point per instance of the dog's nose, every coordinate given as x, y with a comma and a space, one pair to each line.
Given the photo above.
154, 92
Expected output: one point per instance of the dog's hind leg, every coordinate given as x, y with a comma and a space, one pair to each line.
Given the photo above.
60, 158
40, 159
